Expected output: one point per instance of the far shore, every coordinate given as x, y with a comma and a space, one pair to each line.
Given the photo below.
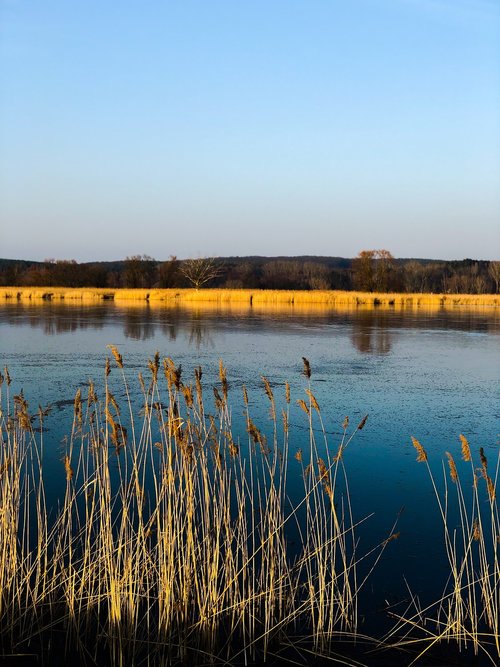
250, 297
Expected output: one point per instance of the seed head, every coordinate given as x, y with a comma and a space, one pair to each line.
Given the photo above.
422, 454
78, 406
484, 460
314, 402
303, 405
267, 388
117, 356
466, 455
68, 468
476, 532
362, 422
453, 468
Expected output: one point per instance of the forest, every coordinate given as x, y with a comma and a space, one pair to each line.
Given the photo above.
369, 271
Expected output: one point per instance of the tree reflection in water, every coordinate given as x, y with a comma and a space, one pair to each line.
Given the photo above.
139, 324
200, 332
371, 329
54, 318
371, 333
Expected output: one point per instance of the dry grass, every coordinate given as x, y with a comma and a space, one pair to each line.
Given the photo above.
467, 614
297, 298
171, 541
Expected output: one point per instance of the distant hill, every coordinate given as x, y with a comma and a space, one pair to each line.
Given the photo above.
333, 262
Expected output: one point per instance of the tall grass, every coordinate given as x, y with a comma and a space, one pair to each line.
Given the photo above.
172, 538
331, 298
467, 614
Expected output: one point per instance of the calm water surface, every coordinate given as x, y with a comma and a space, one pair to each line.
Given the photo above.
433, 375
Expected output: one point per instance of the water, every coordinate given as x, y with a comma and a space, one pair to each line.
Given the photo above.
432, 375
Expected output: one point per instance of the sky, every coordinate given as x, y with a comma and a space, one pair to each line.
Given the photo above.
249, 127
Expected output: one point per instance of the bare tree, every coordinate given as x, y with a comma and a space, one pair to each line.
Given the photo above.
363, 268
201, 270
384, 271
415, 276
168, 272
494, 271
374, 270
139, 271
316, 276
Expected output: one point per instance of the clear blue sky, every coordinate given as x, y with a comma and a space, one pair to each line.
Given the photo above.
239, 127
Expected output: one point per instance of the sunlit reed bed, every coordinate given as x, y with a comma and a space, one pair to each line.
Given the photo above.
331, 298
172, 543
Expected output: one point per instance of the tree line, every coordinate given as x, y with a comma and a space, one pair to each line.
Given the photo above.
371, 271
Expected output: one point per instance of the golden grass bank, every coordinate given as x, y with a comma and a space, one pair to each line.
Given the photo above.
248, 297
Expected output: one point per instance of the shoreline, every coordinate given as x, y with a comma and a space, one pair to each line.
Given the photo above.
250, 297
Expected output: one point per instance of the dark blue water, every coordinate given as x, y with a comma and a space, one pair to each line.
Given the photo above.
432, 375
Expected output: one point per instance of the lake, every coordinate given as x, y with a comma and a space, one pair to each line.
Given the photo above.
429, 374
